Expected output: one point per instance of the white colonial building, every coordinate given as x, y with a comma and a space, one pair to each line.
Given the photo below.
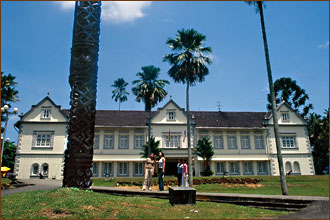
243, 142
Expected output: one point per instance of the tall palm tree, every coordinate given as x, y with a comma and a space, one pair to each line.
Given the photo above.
189, 65
259, 9
149, 89
120, 93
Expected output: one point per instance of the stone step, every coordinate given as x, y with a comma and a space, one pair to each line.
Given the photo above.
286, 203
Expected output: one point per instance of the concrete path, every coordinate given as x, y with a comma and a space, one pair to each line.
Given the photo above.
316, 210
38, 184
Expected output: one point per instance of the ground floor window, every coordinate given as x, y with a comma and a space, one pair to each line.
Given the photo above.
221, 168
234, 168
35, 169
138, 169
296, 167
248, 168
288, 167
45, 168
123, 169
262, 168
107, 169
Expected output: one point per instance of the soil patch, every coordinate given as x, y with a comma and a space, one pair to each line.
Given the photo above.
54, 213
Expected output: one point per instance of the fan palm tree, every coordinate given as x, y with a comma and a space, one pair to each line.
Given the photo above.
259, 9
188, 65
150, 90
120, 93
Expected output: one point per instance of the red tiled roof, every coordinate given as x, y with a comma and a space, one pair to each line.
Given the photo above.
202, 118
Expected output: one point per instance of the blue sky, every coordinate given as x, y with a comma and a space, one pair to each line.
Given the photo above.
36, 39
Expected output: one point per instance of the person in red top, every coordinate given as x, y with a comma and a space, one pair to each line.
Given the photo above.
184, 173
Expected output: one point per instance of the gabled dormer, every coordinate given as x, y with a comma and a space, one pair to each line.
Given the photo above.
286, 115
45, 111
171, 113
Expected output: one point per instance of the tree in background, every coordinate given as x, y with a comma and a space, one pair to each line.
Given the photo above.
120, 93
205, 150
149, 89
287, 90
9, 94
9, 153
258, 5
188, 65
153, 148
318, 128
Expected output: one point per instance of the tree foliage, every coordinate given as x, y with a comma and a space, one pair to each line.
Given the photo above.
148, 88
205, 150
120, 93
289, 91
9, 94
189, 61
153, 148
9, 153
318, 127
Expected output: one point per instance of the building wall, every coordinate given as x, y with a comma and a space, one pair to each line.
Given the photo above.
55, 165
27, 154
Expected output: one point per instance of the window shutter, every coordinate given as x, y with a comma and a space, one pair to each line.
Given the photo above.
34, 139
51, 139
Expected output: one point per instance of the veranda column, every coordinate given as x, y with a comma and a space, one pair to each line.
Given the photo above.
83, 79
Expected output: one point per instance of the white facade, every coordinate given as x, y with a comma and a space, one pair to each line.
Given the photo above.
244, 143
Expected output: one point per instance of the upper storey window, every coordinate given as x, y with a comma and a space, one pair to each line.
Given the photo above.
171, 116
45, 113
285, 117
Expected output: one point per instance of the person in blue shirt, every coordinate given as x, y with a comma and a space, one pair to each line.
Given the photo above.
179, 173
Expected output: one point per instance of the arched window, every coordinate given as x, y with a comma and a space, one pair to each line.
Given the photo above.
35, 169
288, 167
296, 167
44, 169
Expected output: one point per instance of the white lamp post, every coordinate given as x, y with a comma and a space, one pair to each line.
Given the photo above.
4, 109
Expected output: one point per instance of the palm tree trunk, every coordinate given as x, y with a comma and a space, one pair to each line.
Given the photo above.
149, 132
271, 89
188, 137
119, 105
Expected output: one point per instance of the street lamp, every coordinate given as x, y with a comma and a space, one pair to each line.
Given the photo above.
4, 109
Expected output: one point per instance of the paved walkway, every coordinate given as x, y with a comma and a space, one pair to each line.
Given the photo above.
316, 210
38, 184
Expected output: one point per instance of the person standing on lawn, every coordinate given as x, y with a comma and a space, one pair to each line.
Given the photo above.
149, 169
161, 171
184, 173
179, 173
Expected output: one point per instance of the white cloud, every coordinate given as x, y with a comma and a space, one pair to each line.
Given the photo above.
114, 11
119, 12
65, 5
325, 45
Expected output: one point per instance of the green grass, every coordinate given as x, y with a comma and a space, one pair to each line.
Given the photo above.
297, 185
77, 204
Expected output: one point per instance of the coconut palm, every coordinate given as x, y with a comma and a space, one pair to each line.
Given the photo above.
120, 93
150, 90
188, 65
259, 9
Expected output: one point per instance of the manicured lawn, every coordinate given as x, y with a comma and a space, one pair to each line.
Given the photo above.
77, 204
297, 185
